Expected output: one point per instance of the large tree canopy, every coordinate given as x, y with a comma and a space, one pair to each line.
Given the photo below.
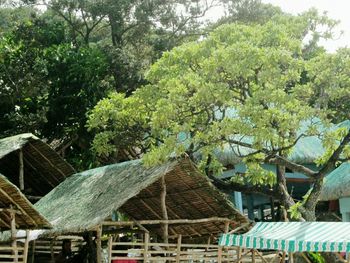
242, 86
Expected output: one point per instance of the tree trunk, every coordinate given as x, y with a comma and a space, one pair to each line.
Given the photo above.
286, 199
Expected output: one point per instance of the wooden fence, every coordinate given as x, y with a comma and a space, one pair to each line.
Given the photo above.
179, 252
10, 254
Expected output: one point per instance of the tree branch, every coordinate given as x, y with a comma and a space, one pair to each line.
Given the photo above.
330, 164
228, 186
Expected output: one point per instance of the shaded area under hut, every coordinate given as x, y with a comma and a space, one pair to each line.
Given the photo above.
16, 212
32, 165
171, 203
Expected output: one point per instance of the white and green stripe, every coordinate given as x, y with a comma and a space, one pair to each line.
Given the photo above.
294, 237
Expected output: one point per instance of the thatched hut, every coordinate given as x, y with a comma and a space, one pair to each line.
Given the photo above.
32, 165
16, 212
173, 200
337, 187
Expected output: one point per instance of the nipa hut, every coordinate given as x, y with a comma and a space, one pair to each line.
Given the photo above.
16, 212
32, 165
337, 187
172, 202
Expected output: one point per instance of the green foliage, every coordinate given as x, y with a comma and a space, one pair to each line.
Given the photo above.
316, 257
241, 83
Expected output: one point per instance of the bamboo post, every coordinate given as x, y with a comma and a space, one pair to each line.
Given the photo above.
145, 251
13, 235
33, 252
21, 170
291, 257
284, 256
26, 246
347, 258
52, 250
220, 254
110, 241
98, 244
253, 255
178, 248
227, 226
239, 254
164, 210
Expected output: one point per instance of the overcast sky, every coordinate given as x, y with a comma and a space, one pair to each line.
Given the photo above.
337, 9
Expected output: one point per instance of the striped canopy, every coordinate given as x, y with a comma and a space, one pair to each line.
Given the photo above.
294, 237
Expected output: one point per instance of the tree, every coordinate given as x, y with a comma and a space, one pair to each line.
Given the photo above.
47, 85
243, 86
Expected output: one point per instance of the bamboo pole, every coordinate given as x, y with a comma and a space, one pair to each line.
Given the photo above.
98, 244
305, 257
227, 227
145, 251
33, 253
178, 248
239, 228
239, 254
284, 256
110, 241
347, 257
164, 210
26, 246
219, 254
52, 252
253, 255
21, 170
13, 235
291, 257
261, 256
172, 221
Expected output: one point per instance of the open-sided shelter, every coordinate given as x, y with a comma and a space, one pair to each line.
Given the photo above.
32, 165
16, 212
288, 238
171, 200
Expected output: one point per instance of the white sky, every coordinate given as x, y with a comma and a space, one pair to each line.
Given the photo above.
337, 9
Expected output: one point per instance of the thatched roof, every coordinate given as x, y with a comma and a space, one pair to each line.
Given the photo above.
86, 199
337, 183
44, 169
27, 217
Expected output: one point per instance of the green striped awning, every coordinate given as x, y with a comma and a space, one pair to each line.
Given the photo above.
294, 237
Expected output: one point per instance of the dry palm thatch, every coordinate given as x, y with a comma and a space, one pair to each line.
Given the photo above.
85, 200
337, 183
12, 199
43, 169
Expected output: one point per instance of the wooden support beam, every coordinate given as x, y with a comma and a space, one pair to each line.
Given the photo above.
19, 207
291, 257
52, 251
219, 254
239, 228
10, 210
145, 250
239, 254
110, 241
33, 253
13, 236
171, 221
26, 246
227, 227
98, 244
178, 248
21, 171
49, 162
305, 257
261, 256
165, 224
